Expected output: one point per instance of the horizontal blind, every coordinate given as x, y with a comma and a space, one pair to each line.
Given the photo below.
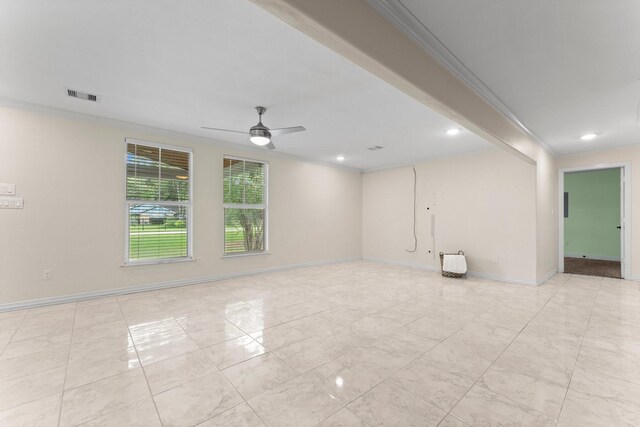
244, 206
233, 181
158, 202
143, 172
157, 174
253, 183
244, 182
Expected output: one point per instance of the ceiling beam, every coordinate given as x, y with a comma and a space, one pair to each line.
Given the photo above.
358, 33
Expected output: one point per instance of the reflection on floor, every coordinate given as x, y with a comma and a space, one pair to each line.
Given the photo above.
592, 267
346, 344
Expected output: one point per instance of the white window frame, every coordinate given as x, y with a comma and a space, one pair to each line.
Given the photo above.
188, 205
264, 206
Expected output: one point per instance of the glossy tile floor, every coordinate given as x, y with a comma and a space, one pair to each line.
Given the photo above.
342, 345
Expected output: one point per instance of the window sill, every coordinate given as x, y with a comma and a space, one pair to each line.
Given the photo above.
158, 262
244, 254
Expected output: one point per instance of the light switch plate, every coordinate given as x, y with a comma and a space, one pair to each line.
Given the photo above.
11, 202
7, 189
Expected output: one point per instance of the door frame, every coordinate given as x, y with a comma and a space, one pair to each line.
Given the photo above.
625, 208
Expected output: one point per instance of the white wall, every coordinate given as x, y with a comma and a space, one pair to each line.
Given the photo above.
619, 155
484, 203
546, 215
70, 172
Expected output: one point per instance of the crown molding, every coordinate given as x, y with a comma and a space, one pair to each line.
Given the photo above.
402, 18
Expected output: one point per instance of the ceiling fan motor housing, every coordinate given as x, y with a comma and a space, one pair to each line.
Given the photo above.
259, 134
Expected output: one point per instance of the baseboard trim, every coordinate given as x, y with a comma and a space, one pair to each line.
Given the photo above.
547, 276
161, 285
478, 275
601, 258
400, 263
500, 278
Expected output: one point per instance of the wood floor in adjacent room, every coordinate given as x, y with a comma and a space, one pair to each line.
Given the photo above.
593, 267
351, 344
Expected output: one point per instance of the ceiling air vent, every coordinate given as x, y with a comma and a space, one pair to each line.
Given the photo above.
375, 147
82, 95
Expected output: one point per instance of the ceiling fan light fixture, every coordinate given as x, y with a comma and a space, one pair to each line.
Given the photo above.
260, 136
453, 131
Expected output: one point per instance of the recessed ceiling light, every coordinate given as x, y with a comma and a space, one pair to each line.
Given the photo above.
453, 131
588, 136
340, 158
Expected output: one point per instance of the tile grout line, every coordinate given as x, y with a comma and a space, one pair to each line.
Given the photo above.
15, 332
76, 310
396, 371
66, 369
112, 376
45, 370
501, 353
35, 400
241, 396
139, 361
200, 348
404, 366
322, 388
298, 374
160, 361
428, 351
579, 350
341, 409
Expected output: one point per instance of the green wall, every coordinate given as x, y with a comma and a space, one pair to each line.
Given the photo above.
594, 214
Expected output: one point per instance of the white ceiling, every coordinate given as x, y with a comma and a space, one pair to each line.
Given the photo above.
180, 65
565, 68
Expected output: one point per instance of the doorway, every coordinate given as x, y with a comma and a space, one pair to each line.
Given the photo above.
594, 236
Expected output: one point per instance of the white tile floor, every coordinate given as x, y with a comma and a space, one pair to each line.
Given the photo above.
342, 345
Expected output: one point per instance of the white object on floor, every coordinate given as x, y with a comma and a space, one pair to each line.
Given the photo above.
454, 264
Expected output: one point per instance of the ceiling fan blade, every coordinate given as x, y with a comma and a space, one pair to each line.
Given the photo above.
282, 131
225, 130
270, 146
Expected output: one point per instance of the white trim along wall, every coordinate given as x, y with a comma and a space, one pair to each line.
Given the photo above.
159, 285
626, 203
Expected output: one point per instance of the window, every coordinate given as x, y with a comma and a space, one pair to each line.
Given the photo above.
245, 206
158, 202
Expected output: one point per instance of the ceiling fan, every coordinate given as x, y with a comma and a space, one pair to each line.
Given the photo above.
260, 134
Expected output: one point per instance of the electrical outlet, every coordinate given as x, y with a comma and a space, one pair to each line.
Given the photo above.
566, 243
495, 260
199, 260
47, 274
